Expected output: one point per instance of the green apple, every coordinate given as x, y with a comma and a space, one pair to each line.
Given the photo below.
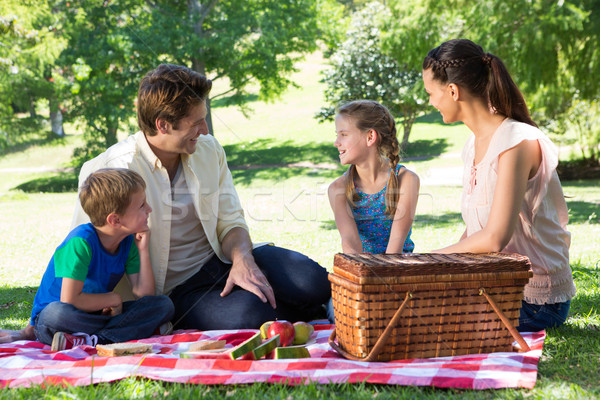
302, 332
264, 328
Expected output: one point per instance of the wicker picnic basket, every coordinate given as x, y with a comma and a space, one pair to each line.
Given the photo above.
400, 306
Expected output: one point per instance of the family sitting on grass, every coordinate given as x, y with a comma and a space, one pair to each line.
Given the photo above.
199, 269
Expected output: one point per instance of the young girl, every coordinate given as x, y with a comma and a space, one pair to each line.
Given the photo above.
512, 198
374, 202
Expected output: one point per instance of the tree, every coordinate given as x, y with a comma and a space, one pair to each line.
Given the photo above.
361, 71
241, 42
29, 45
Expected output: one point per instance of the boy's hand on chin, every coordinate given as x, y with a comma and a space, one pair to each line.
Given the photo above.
142, 239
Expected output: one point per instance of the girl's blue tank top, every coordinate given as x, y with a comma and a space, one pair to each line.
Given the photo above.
373, 224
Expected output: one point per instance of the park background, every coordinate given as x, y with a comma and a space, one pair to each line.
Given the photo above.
68, 76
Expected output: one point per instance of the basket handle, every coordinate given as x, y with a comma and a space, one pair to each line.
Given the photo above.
513, 331
380, 342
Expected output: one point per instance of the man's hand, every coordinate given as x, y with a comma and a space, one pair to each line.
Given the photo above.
246, 274
7, 336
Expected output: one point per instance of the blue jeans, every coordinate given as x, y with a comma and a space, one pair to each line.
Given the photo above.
330, 312
300, 285
138, 320
536, 317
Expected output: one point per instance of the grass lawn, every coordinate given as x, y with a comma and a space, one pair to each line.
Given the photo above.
288, 205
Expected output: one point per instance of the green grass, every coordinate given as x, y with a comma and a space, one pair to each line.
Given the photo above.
289, 206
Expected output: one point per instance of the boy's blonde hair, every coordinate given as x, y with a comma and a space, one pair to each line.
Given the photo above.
107, 191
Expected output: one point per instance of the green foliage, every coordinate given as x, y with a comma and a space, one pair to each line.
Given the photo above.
361, 71
113, 44
413, 27
29, 45
102, 71
333, 23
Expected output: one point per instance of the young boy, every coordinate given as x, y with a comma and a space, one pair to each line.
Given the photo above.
75, 304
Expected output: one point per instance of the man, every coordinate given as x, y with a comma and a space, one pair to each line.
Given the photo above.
200, 249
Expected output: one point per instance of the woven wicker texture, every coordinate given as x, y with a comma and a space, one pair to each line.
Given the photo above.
448, 309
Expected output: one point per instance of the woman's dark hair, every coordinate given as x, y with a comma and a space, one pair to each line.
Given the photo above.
484, 75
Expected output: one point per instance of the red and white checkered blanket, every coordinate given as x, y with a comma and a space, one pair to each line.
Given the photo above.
26, 363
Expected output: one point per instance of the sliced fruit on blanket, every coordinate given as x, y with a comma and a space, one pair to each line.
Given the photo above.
207, 345
265, 348
246, 347
217, 354
291, 352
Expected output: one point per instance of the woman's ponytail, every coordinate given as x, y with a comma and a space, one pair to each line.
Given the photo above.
504, 96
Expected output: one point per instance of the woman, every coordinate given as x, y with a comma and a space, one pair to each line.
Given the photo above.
512, 198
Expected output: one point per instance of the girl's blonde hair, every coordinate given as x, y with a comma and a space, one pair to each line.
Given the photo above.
367, 115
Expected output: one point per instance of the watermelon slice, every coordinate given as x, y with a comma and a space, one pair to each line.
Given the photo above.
265, 348
246, 347
291, 352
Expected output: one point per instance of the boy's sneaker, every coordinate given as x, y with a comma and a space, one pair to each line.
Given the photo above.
63, 341
164, 329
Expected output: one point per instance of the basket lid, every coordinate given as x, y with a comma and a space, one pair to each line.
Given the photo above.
413, 264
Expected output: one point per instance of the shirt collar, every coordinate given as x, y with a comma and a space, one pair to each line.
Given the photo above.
151, 158
147, 153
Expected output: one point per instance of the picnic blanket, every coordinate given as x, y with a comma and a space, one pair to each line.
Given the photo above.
27, 363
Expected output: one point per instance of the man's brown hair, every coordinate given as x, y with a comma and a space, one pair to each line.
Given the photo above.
107, 191
168, 92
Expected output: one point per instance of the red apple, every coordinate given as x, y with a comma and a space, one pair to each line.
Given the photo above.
284, 329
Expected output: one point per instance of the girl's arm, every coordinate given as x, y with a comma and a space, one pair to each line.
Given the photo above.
142, 283
515, 167
405, 211
351, 243
71, 292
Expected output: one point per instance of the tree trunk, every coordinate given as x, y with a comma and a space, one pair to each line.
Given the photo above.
407, 124
56, 118
201, 10
111, 134
195, 7
209, 117
199, 67
32, 112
